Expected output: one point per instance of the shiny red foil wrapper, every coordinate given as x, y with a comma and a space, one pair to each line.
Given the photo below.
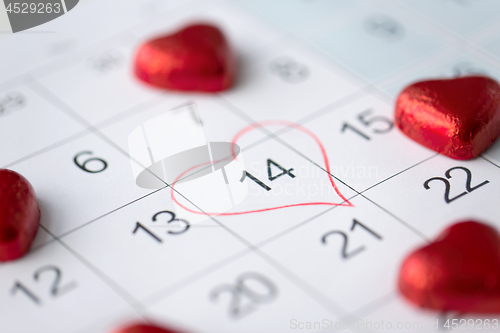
144, 328
459, 271
196, 58
19, 215
459, 118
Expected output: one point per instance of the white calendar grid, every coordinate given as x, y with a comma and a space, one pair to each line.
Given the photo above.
80, 97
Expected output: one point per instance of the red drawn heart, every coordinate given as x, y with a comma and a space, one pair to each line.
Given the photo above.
459, 271
144, 328
459, 118
345, 202
19, 215
195, 58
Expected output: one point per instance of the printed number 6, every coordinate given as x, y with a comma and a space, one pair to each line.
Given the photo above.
83, 166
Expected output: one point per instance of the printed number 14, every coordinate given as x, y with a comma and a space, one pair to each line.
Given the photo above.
270, 175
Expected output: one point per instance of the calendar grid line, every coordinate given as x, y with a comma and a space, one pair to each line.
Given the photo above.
19, 79
237, 111
60, 143
89, 128
132, 111
142, 107
369, 308
486, 159
299, 225
130, 30
464, 41
129, 299
376, 304
330, 107
386, 76
434, 24
240, 112
166, 292
253, 250
400, 220
36, 86
249, 245
408, 226
358, 77
56, 101
73, 57
183, 295
326, 302
156, 100
259, 244
42, 245
337, 104
360, 193
110, 212
293, 37
91, 327
291, 277
172, 288
13, 83
400, 172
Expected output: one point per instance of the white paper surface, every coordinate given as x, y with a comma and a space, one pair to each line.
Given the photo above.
310, 72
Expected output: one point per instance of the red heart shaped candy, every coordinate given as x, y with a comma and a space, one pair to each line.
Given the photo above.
196, 58
144, 328
459, 271
19, 215
458, 118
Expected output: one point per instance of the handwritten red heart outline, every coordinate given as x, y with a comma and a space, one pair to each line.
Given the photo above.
346, 203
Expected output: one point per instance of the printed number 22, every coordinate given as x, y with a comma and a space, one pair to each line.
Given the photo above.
447, 185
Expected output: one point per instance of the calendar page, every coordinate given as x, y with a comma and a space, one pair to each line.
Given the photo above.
330, 196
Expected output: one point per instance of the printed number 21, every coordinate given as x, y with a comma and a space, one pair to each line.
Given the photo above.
345, 253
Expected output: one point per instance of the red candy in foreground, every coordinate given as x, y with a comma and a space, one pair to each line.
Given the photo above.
458, 118
459, 271
196, 58
19, 215
144, 328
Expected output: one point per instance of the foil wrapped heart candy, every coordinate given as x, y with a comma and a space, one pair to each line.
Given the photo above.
195, 58
19, 215
459, 118
459, 271
144, 328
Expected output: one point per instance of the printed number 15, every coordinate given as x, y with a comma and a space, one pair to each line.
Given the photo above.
367, 121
